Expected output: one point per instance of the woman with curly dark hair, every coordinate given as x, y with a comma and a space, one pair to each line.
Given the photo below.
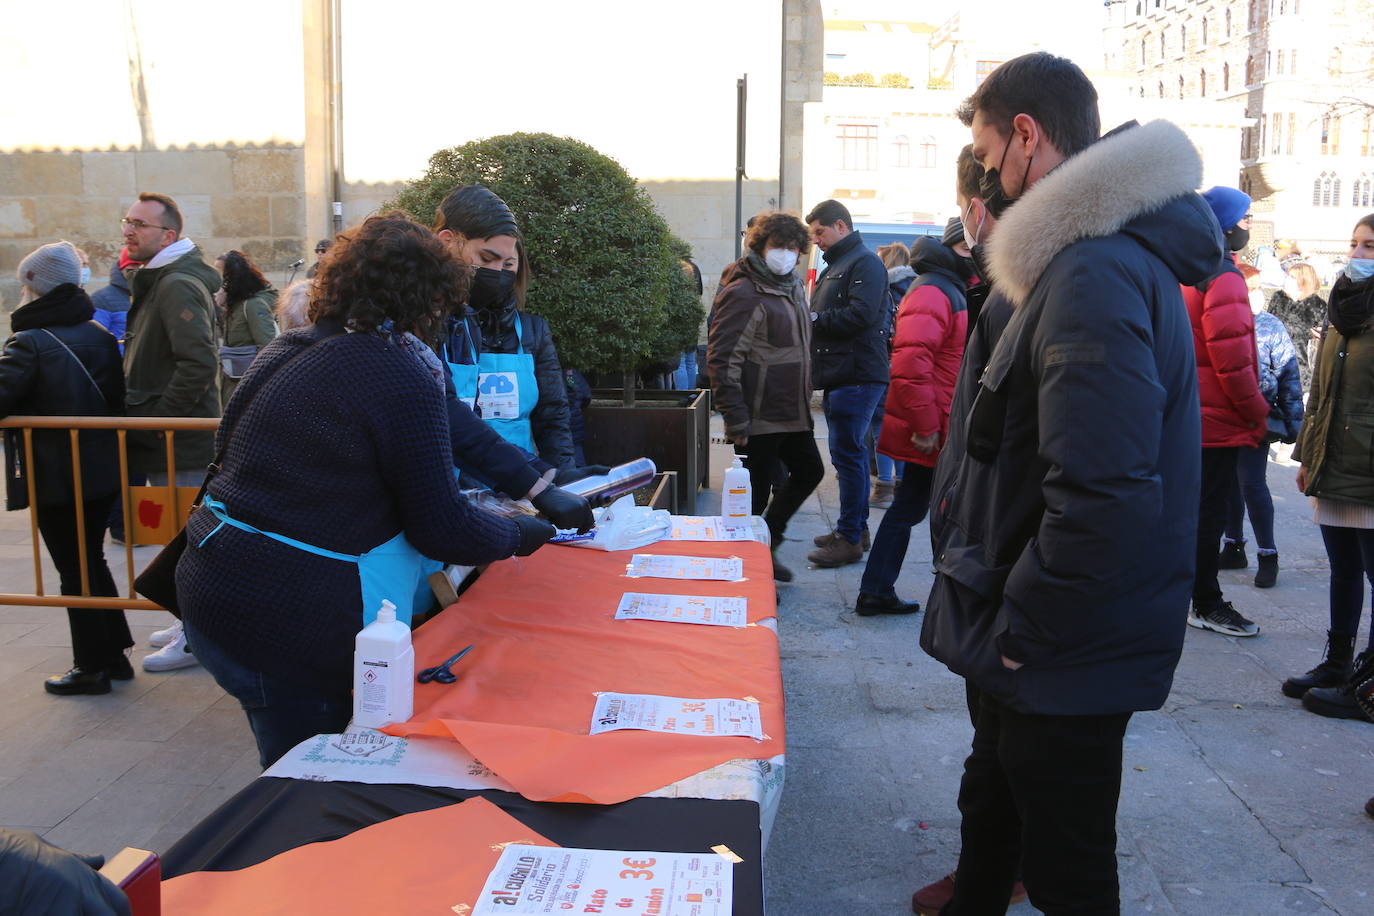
759, 358
335, 476
246, 322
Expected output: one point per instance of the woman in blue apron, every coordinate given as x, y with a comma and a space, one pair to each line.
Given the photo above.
500, 355
336, 477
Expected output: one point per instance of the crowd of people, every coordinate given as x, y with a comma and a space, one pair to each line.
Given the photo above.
1082, 384
1078, 381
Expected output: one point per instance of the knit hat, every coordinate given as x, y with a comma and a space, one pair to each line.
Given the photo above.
954, 232
1229, 205
49, 267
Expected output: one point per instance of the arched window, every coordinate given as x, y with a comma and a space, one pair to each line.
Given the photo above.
1163, 43
927, 152
1202, 83
1326, 190
1228, 23
1364, 192
1180, 87
1280, 64
1204, 33
1183, 39
901, 151
1225, 77
1137, 9
1161, 89
1142, 52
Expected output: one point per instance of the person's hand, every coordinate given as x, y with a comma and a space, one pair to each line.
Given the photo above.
566, 476
534, 533
564, 509
1302, 478
926, 444
1009, 664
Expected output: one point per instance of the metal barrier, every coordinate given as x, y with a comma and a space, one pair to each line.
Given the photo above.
122, 426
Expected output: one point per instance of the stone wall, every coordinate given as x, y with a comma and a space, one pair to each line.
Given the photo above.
246, 197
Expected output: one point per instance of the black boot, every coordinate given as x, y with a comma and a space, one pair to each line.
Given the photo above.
79, 681
1267, 575
872, 605
1333, 671
780, 573
1232, 556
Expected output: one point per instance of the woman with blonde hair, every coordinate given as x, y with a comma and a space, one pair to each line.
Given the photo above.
1303, 313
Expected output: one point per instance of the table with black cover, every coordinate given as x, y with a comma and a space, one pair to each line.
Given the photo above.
273, 815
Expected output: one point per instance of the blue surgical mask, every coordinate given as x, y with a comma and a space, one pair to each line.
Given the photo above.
85, 275
1358, 269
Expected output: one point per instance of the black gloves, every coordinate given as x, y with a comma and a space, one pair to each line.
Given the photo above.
44, 879
564, 509
566, 476
534, 533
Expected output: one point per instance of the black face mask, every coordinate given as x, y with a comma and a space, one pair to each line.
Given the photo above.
1237, 239
491, 289
990, 185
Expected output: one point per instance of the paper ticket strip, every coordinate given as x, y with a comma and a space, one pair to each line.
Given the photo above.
707, 528
720, 718
538, 879
657, 566
713, 611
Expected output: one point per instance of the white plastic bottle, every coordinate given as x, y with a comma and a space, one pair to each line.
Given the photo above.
737, 501
383, 671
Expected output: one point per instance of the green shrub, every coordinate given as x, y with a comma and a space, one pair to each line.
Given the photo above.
601, 269
682, 324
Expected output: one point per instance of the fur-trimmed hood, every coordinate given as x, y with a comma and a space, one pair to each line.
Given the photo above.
1106, 189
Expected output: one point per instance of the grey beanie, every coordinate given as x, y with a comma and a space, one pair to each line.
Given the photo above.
49, 267
954, 232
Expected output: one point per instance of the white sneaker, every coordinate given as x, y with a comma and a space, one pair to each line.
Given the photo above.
170, 657
165, 637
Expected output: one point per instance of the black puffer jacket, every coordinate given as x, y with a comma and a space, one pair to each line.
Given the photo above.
61, 363
849, 339
549, 421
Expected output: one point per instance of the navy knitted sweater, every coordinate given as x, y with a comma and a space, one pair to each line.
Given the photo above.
340, 441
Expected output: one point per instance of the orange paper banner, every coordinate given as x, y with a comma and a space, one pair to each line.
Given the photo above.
546, 640
432, 861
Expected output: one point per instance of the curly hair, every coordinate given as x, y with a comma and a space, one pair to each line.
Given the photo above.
389, 267
782, 229
242, 279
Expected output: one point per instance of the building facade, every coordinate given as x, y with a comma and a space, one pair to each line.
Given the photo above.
1301, 69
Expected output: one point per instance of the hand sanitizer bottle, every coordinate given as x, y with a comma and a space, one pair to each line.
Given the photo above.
383, 671
736, 502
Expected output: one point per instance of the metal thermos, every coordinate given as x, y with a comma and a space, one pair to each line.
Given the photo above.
622, 478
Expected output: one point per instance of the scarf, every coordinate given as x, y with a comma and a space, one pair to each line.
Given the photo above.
790, 283
1351, 306
415, 348
170, 253
63, 305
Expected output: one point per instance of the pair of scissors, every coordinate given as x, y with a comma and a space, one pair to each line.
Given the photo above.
441, 673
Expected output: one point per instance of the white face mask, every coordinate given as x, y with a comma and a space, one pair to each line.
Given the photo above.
781, 261
85, 275
972, 235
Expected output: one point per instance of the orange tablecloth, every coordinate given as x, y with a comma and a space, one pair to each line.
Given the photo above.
426, 862
547, 641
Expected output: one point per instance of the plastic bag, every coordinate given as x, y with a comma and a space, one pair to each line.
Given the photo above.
624, 526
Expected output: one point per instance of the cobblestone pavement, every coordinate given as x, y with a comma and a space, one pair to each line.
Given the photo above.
1234, 799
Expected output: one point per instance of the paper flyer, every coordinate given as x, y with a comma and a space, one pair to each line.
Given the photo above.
720, 718
538, 879
708, 528
712, 611
647, 565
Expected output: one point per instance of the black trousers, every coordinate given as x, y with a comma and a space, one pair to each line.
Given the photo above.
796, 454
1038, 800
1218, 479
99, 636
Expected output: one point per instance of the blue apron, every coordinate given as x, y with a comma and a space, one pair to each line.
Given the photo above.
393, 570
464, 374
508, 391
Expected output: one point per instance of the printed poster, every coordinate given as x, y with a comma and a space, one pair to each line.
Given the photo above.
537, 879
656, 566
720, 718
708, 610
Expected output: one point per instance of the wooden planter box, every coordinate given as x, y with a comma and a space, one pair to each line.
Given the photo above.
670, 427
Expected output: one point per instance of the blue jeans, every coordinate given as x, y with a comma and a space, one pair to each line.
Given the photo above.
1250, 491
884, 464
281, 712
910, 501
848, 412
685, 376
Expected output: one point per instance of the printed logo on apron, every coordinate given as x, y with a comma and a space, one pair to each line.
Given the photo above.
498, 394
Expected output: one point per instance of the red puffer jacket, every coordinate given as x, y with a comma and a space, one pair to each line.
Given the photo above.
926, 350
1233, 409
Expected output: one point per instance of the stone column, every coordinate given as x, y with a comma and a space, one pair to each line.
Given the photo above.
803, 52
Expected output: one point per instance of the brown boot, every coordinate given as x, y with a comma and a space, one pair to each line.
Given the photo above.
881, 497
838, 552
825, 540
